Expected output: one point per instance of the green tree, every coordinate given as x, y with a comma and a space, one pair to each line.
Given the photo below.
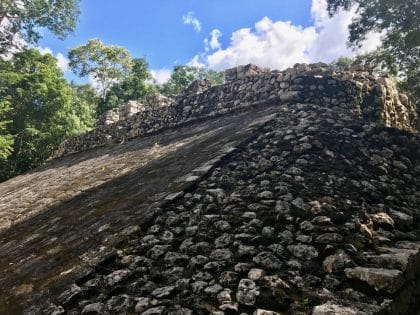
183, 76
135, 86
372, 62
85, 102
399, 20
22, 20
342, 62
105, 64
6, 139
41, 112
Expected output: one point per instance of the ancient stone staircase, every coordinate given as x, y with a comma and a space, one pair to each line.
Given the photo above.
293, 192
298, 219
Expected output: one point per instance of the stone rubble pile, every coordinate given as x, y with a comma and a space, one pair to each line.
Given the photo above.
131, 108
370, 98
317, 213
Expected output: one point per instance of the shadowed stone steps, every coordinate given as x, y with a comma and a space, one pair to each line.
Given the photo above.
381, 275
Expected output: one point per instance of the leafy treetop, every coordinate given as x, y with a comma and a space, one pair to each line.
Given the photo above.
183, 76
38, 110
399, 22
105, 64
21, 20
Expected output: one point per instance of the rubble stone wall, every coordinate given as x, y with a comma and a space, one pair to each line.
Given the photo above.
368, 97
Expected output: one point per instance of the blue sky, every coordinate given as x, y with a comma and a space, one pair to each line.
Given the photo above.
215, 33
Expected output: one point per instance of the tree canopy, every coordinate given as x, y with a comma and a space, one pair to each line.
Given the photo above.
37, 112
135, 86
22, 20
399, 20
183, 76
6, 140
105, 64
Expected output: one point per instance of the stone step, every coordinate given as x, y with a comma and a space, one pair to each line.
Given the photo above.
390, 280
331, 308
392, 267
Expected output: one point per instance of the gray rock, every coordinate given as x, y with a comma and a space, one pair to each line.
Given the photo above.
198, 286
301, 206
335, 309
213, 290
158, 251
119, 303
163, 292
198, 260
222, 225
173, 258
265, 312
224, 240
221, 254
403, 221
249, 215
306, 226
167, 237
268, 232
256, 274
329, 238
268, 261
70, 294
142, 304
274, 282
224, 296
117, 276
265, 195
244, 250
304, 238
286, 237
94, 308
336, 262
159, 310
228, 278
322, 219
247, 292
305, 252
382, 219
231, 307
389, 280
277, 249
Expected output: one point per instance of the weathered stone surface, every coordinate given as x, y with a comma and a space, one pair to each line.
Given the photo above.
247, 292
265, 312
142, 304
163, 292
94, 308
303, 251
256, 274
155, 311
159, 112
379, 278
268, 261
334, 309
264, 210
336, 262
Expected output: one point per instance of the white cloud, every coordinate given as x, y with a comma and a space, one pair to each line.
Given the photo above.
195, 62
271, 44
213, 43
161, 76
280, 44
331, 41
62, 61
190, 19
